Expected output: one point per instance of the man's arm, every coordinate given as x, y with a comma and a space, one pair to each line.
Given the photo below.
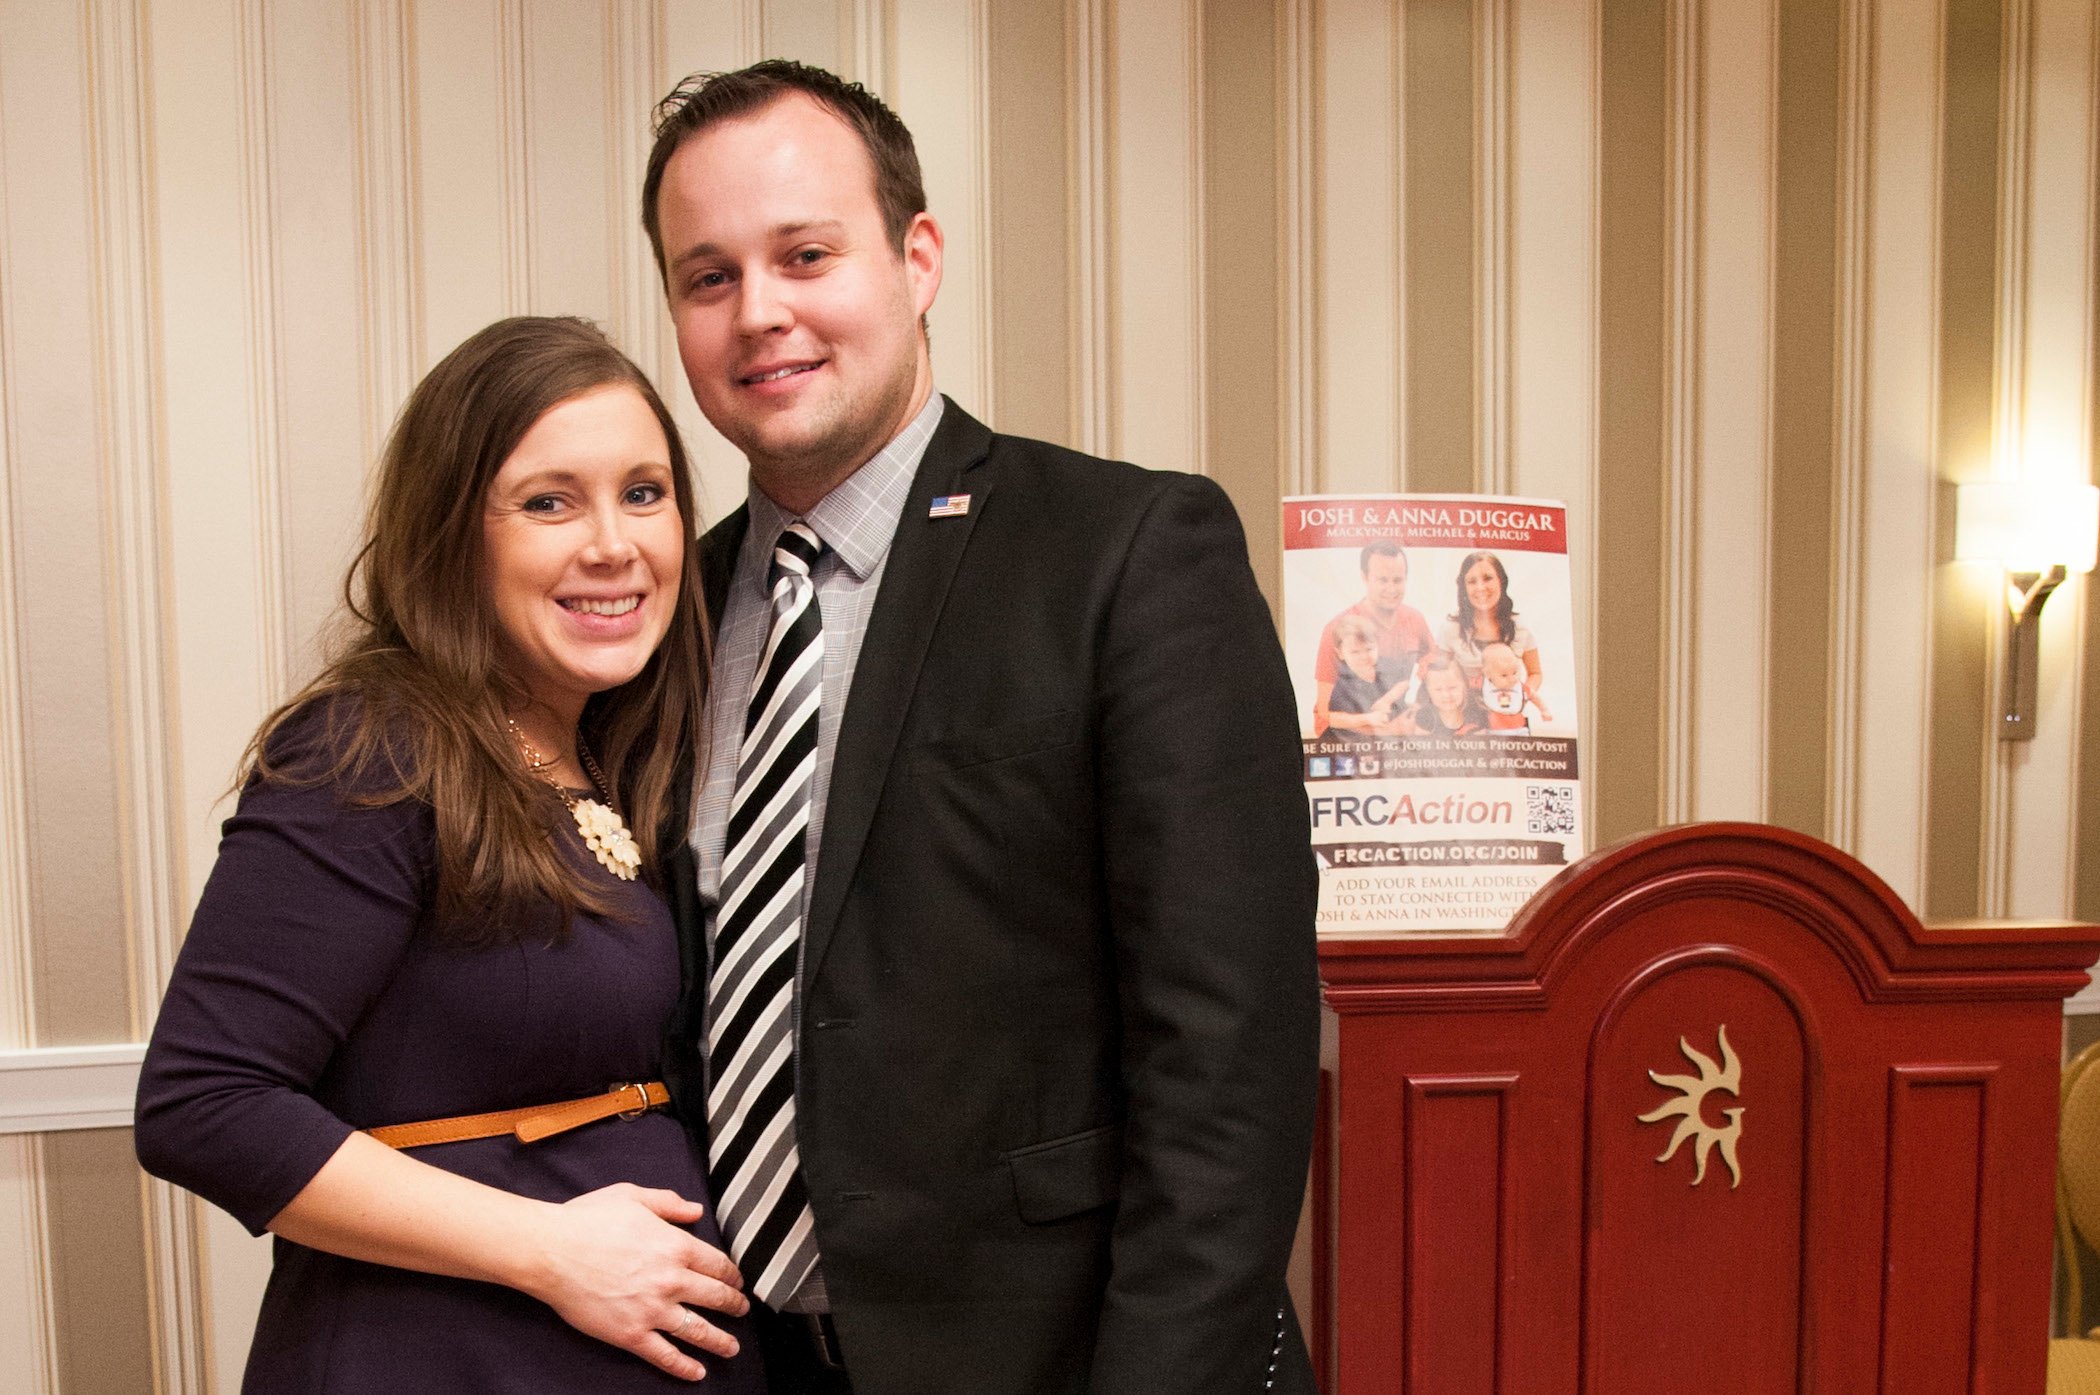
1322, 711
1325, 672
1212, 890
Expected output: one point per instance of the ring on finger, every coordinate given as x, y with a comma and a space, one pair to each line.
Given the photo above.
685, 1320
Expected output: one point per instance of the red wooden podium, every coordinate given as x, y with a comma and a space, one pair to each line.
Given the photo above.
1718, 1117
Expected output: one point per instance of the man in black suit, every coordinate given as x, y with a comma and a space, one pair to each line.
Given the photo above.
1002, 1011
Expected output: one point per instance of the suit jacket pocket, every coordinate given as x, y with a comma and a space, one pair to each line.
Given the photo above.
983, 745
1068, 1175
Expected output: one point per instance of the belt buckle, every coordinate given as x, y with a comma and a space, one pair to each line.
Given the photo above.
641, 1093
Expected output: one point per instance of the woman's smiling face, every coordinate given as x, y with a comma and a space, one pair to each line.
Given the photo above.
1483, 585
582, 547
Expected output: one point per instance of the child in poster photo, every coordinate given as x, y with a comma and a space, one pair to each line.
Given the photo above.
1368, 688
1506, 691
1447, 706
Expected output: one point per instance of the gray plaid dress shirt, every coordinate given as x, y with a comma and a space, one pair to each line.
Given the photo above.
856, 522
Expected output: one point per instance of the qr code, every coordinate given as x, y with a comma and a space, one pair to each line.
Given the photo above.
1549, 810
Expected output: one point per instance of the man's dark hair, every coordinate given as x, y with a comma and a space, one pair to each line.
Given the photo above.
703, 100
1384, 547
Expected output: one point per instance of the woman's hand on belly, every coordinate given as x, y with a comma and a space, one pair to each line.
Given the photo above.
615, 1264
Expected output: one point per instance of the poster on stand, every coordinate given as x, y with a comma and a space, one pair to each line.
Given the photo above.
1431, 643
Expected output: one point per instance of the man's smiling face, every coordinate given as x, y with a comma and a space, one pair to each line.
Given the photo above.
797, 318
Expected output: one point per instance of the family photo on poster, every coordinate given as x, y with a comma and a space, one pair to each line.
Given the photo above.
1431, 645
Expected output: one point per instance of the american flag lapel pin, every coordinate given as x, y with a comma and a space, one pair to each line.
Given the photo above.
949, 506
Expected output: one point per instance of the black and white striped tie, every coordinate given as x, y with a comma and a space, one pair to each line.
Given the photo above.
753, 1164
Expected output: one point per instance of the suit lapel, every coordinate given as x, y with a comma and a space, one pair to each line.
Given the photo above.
915, 579
718, 549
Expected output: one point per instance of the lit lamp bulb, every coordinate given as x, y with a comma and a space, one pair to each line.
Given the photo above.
2040, 532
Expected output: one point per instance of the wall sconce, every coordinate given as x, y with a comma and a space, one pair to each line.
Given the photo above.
2040, 532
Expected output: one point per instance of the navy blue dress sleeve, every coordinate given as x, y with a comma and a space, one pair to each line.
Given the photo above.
304, 919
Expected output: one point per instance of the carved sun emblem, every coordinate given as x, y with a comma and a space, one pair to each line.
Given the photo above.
1692, 1092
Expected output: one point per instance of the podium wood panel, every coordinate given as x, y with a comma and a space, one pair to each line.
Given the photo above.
1868, 1106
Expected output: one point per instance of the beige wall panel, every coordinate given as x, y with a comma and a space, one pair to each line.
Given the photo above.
126, 422
1803, 394
236, 1266
1964, 597
1625, 780
320, 314
1240, 254
811, 31
1090, 147
28, 1338
17, 1013
1030, 192
1493, 22
63, 608
1362, 247
1440, 254
704, 39
569, 181
1731, 569
389, 234
224, 530
711, 38
1852, 278
633, 83
470, 124
1684, 80
156, 904
17, 1007
1157, 235
2015, 206
225, 623
2085, 832
869, 35
1890, 649
1297, 244
941, 65
2056, 431
1553, 309
98, 1263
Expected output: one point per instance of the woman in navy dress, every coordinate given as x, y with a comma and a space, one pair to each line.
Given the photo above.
438, 898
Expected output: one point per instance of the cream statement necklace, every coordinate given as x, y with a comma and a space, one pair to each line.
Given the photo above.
604, 832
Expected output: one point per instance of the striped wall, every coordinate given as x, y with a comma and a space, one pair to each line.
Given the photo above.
1749, 283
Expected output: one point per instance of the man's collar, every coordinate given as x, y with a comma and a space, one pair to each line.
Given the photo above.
858, 518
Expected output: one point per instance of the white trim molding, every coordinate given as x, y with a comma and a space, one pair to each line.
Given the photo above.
53, 1088
1297, 241
1088, 35
1494, 272
1684, 252
1855, 157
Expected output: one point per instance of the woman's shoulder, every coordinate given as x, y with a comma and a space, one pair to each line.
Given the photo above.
353, 746
318, 795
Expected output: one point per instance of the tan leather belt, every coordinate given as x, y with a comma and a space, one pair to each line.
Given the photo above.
530, 1124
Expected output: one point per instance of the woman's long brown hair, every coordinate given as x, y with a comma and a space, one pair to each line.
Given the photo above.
415, 694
